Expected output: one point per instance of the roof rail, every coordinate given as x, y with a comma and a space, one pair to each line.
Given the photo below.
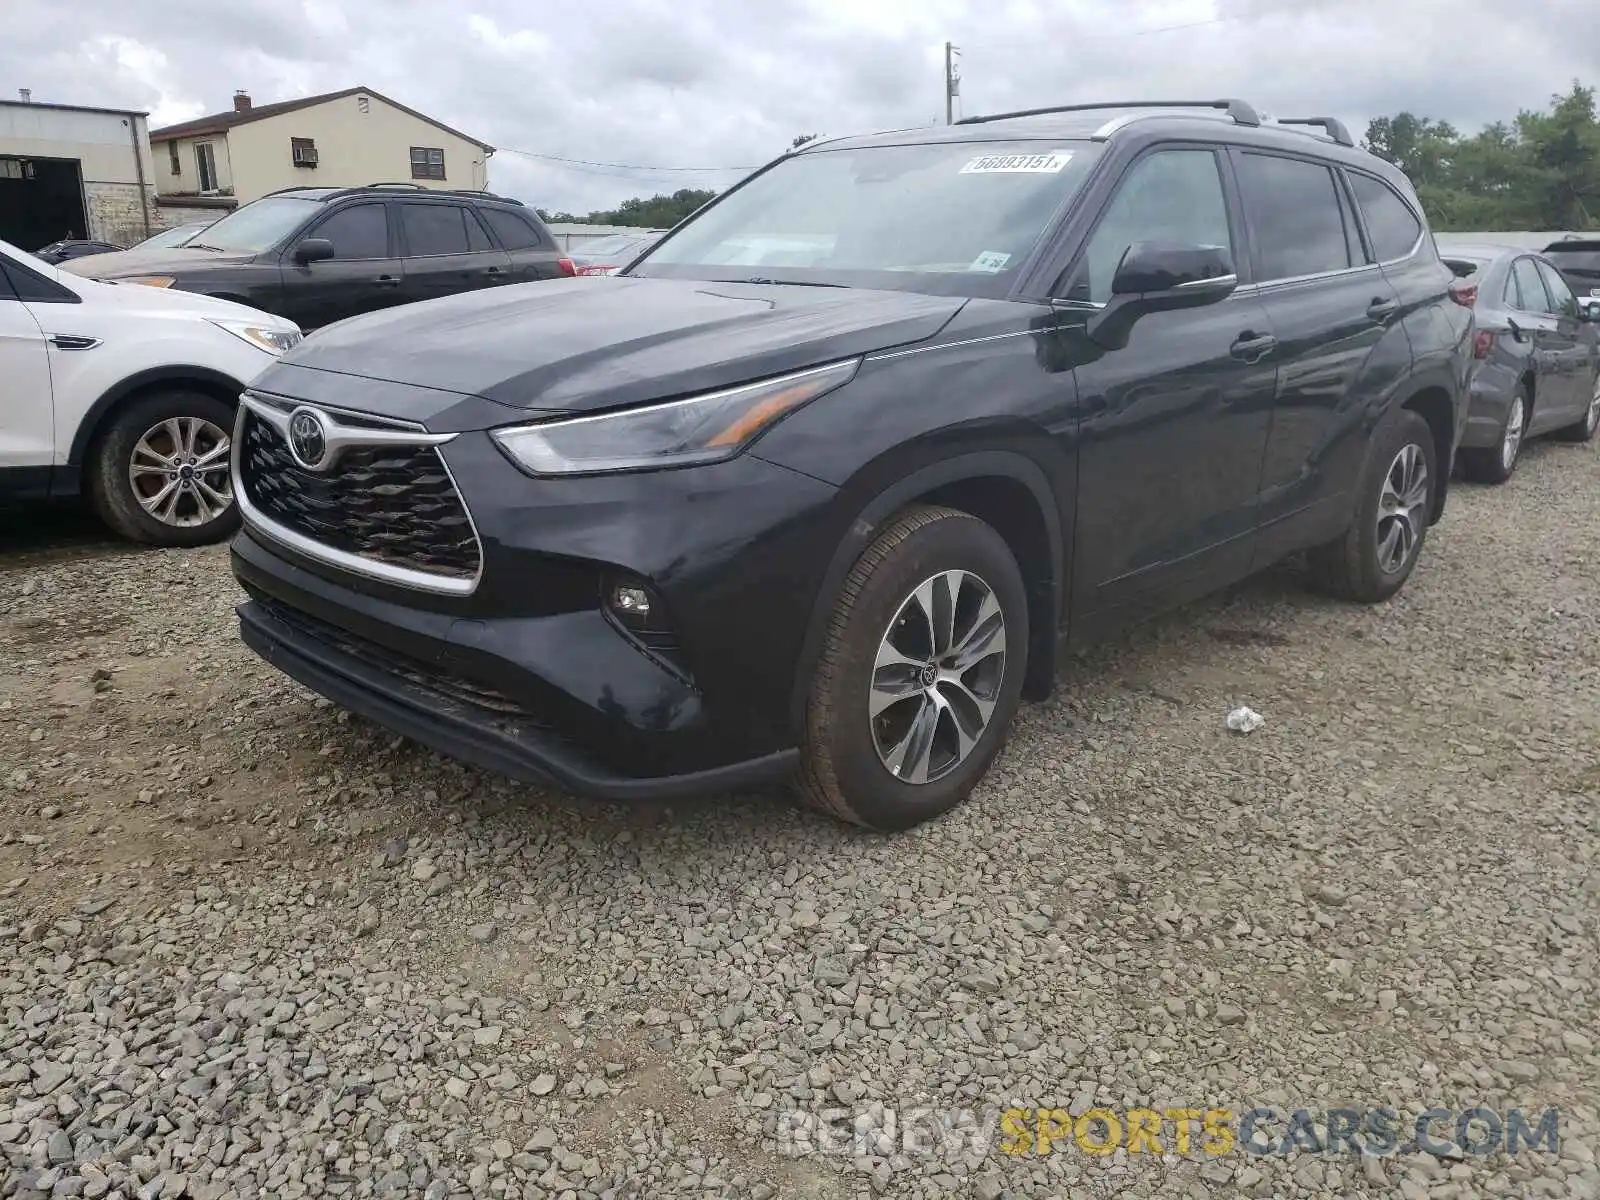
1241, 112
1334, 127
410, 186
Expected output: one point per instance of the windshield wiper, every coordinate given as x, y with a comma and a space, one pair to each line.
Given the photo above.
783, 282
201, 246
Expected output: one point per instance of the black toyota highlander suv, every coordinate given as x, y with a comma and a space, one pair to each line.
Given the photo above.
318, 255
822, 485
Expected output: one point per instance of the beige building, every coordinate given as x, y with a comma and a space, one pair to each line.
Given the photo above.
71, 171
341, 139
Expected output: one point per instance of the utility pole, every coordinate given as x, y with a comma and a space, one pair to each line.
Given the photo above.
952, 82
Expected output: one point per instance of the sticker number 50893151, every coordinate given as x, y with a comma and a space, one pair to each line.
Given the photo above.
1031, 164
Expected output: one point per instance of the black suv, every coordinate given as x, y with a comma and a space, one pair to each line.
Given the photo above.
824, 483
318, 255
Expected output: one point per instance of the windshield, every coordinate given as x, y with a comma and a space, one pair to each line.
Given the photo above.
169, 237
953, 218
257, 226
613, 246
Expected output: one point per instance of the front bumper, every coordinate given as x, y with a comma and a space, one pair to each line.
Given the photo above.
520, 749
527, 674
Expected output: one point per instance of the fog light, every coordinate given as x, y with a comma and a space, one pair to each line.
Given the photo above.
629, 600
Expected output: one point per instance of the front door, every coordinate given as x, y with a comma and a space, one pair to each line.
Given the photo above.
27, 415
1572, 351
1174, 423
364, 273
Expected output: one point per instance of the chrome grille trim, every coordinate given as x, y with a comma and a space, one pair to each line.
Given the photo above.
379, 431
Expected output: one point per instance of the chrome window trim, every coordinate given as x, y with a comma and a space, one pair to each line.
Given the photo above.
408, 434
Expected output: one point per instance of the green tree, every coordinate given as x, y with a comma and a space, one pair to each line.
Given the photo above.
655, 212
1539, 171
803, 139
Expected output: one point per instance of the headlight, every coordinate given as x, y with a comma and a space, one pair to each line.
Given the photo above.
274, 339
701, 429
160, 281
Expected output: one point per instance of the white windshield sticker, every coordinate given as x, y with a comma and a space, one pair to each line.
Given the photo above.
991, 261
1029, 164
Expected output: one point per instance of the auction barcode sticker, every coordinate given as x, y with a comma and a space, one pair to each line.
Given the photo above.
1030, 164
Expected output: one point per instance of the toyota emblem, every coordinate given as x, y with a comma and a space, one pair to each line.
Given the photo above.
308, 439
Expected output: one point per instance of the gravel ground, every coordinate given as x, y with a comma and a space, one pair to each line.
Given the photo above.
250, 946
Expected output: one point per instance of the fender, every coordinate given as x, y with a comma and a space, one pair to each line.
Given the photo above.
1436, 376
1007, 464
135, 382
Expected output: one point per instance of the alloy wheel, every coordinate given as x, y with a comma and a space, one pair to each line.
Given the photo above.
179, 472
1402, 508
1511, 443
1591, 420
937, 676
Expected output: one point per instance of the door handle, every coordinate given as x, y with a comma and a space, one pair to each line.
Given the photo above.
1253, 347
494, 271
1381, 309
387, 281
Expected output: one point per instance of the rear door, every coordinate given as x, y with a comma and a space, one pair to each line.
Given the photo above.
364, 273
533, 254
1341, 348
27, 415
447, 250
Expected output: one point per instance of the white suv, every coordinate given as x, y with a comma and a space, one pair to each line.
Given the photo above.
126, 393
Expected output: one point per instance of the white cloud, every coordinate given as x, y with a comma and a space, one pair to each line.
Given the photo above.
728, 83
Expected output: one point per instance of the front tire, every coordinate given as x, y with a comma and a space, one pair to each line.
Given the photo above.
1494, 464
159, 472
1372, 560
920, 675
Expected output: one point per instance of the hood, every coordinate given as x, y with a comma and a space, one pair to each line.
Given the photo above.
163, 260
601, 342
139, 298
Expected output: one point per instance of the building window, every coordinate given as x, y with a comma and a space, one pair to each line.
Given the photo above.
304, 151
172, 158
427, 162
15, 168
205, 165
362, 104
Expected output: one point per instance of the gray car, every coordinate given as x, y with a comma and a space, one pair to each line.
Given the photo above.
1536, 355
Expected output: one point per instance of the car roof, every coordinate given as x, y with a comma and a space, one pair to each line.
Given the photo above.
1483, 250
1216, 120
1586, 245
395, 189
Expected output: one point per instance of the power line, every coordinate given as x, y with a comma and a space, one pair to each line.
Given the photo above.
604, 167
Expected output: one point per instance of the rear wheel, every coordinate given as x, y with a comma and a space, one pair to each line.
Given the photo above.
1372, 560
1494, 464
1584, 430
160, 474
921, 673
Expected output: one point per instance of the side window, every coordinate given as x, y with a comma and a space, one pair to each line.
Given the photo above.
1534, 298
1295, 219
477, 240
17, 282
1563, 301
514, 233
1168, 196
434, 229
1392, 226
1513, 294
360, 231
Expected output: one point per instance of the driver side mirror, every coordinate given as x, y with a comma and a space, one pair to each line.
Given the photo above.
1590, 311
1159, 277
313, 249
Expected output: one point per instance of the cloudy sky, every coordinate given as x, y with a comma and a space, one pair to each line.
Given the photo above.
723, 85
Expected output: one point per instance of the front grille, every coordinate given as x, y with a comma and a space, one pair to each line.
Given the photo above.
391, 504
